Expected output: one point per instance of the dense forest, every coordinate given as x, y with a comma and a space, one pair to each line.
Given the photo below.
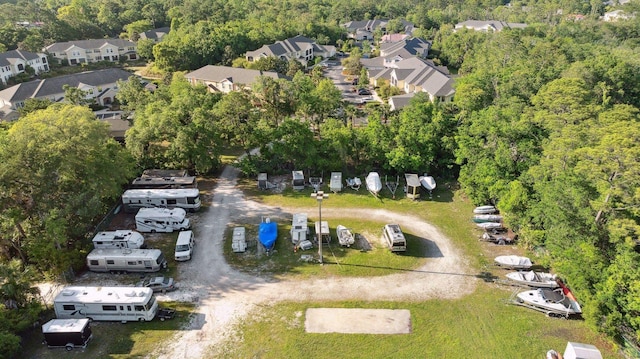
545, 124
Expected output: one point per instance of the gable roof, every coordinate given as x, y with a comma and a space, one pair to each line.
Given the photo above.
52, 86
9, 57
492, 25
412, 46
233, 74
284, 47
88, 44
155, 34
423, 73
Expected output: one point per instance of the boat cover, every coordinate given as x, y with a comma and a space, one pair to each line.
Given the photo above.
267, 234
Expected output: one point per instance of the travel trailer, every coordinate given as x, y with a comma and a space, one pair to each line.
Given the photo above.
164, 182
161, 220
184, 246
118, 239
395, 238
297, 182
123, 304
126, 260
186, 198
67, 333
299, 228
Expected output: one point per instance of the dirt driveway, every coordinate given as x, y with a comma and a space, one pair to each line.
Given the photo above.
224, 295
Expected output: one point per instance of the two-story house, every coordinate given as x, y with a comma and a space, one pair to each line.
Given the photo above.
364, 29
300, 48
15, 62
100, 86
488, 26
85, 51
226, 79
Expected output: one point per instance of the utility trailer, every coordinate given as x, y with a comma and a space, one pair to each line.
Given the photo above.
67, 333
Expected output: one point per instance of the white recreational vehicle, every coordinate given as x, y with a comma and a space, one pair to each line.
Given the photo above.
299, 228
186, 198
118, 239
394, 237
126, 260
162, 220
123, 304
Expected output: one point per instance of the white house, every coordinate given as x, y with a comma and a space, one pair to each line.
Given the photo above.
15, 62
226, 79
85, 51
488, 26
300, 48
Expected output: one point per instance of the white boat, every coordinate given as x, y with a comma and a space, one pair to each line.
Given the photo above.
374, 185
489, 225
345, 237
558, 302
485, 210
482, 218
534, 279
514, 262
427, 182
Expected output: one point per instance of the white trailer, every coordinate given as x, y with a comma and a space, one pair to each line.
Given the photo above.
335, 185
118, 239
394, 237
298, 180
126, 260
123, 304
322, 232
162, 220
186, 198
299, 228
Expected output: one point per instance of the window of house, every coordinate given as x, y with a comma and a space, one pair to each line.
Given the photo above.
132, 56
75, 53
120, 49
109, 51
131, 48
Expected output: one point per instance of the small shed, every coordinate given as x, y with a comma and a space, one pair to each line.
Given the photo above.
239, 242
335, 185
262, 181
413, 185
298, 180
299, 228
581, 351
322, 231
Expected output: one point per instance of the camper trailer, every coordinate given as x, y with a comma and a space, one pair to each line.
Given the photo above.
299, 228
161, 220
123, 304
126, 260
395, 238
322, 232
185, 198
67, 333
298, 180
335, 185
118, 239
164, 182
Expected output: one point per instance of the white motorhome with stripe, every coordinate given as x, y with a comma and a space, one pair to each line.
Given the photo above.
126, 260
122, 304
161, 220
118, 239
186, 198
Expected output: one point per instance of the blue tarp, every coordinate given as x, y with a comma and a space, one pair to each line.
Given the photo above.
267, 233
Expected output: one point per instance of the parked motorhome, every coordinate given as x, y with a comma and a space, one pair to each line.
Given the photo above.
395, 238
186, 198
123, 304
299, 228
161, 220
118, 239
164, 173
164, 182
184, 246
67, 333
297, 182
126, 260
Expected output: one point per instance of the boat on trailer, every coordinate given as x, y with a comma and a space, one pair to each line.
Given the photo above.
484, 218
345, 237
513, 262
374, 185
534, 279
489, 225
485, 210
558, 302
427, 182
267, 234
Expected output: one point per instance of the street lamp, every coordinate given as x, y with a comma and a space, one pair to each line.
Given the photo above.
320, 195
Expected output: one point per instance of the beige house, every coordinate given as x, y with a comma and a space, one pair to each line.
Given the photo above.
300, 48
226, 79
15, 62
85, 51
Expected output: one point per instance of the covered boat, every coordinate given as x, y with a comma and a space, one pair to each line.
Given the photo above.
374, 185
534, 279
427, 182
558, 302
489, 225
345, 237
267, 233
482, 218
514, 262
485, 210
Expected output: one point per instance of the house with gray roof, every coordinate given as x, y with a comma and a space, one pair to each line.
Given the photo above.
15, 62
364, 29
155, 35
100, 86
300, 48
488, 26
86, 51
226, 79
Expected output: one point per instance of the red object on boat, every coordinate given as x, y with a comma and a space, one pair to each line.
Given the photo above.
565, 290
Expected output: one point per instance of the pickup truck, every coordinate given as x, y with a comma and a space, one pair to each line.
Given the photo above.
165, 313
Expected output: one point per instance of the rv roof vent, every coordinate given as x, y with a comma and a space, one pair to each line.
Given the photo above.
69, 292
131, 294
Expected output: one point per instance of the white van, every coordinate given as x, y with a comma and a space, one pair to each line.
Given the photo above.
161, 220
395, 238
184, 246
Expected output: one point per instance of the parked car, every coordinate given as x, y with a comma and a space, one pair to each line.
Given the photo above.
364, 92
365, 99
158, 284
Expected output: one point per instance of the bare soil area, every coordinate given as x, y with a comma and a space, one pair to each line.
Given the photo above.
224, 295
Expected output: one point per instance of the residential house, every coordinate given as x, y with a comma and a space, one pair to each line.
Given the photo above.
100, 86
393, 37
226, 79
15, 62
617, 15
393, 52
155, 35
414, 75
488, 26
398, 102
300, 48
85, 51
364, 29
